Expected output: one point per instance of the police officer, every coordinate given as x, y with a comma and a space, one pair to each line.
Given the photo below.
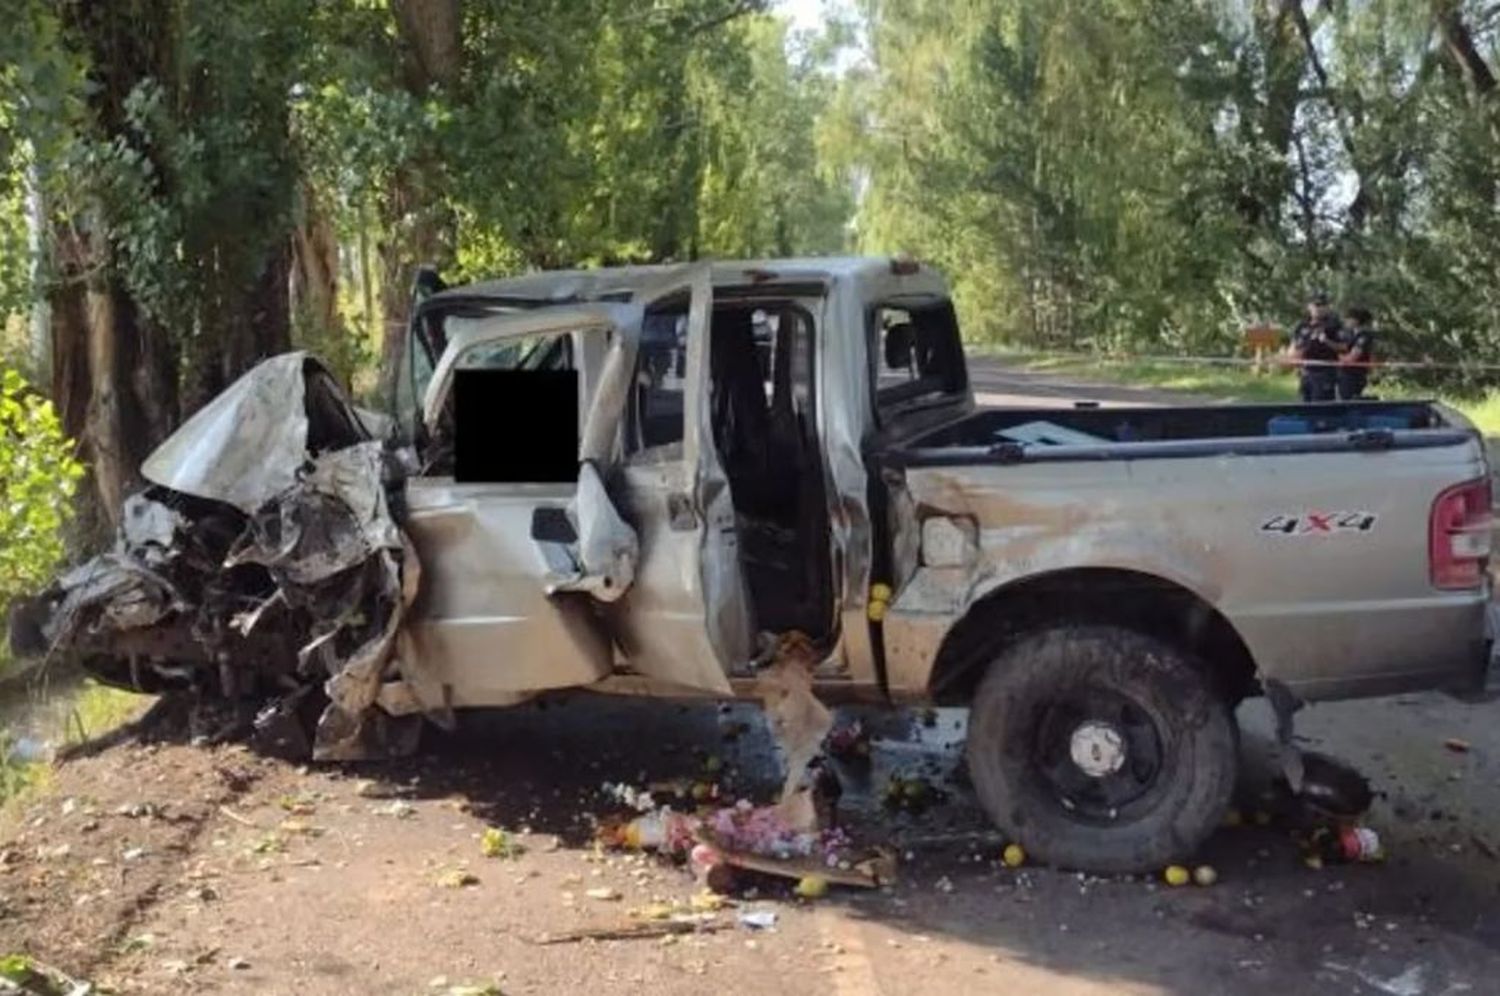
1358, 353
1317, 341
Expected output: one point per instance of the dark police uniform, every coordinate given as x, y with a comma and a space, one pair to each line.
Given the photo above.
1319, 341
1352, 379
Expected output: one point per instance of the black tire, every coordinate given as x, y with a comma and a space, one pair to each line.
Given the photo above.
1159, 751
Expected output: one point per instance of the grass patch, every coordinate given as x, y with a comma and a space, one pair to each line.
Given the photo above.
88, 711
19, 777
1232, 383
98, 709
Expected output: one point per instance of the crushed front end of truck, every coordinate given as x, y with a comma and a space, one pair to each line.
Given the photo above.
261, 565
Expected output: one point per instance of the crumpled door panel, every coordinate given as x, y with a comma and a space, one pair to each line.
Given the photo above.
601, 557
483, 624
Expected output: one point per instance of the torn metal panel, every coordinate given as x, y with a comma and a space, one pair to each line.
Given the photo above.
603, 562
112, 591
330, 521
148, 529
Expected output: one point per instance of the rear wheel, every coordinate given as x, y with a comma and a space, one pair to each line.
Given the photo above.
1101, 749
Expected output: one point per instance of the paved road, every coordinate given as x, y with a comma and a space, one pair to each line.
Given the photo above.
995, 383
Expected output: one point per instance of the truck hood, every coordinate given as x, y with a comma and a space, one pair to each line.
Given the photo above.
247, 445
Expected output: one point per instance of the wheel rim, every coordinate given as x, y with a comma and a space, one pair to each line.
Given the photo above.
1097, 753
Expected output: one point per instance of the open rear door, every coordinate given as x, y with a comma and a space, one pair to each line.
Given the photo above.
685, 620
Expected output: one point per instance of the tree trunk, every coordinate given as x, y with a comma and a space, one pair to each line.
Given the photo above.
113, 375
1460, 44
418, 229
315, 267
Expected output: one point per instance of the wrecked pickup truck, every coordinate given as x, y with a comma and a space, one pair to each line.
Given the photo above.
793, 447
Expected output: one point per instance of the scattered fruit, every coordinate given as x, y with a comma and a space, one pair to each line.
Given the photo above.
1205, 875
812, 887
1014, 856
457, 878
497, 843
1176, 875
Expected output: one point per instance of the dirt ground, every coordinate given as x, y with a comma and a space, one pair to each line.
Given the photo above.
176, 869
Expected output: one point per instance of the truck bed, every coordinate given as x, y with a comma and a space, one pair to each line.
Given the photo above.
1306, 526
1014, 435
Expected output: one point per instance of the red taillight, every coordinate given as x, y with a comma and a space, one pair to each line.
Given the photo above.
1459, 536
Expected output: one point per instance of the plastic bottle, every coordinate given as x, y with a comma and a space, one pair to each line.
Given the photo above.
647, 832
1345, 845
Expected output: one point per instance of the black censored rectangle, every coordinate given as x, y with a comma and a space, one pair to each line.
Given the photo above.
515, 426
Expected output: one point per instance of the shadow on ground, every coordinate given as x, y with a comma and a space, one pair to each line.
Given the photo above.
1428, 914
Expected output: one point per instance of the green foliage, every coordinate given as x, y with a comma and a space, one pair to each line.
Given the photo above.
16, 776
38, 475
619, 134
1116, 174
24, 974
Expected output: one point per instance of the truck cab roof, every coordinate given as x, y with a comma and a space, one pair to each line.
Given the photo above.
882, 275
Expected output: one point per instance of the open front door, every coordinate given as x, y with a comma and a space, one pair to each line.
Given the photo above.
685, 620
512, 571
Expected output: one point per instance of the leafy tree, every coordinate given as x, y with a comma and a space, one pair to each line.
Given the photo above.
38, 475
1130, 174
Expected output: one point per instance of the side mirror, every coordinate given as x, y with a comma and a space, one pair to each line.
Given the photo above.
898, 346
425, 283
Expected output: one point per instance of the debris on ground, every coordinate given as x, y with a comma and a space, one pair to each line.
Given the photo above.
910, 793
757, 919
850, 742
1341, 845
497, 843
634, 931
399, 808
1456, 745
457, 878
25, 975
786, 840
812, 887
1205, 875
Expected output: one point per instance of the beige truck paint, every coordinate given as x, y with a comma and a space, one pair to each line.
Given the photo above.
1327, 615
1324, 613
486, 630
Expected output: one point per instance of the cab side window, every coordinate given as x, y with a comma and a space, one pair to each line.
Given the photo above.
658, 393
551, 352
917, 352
